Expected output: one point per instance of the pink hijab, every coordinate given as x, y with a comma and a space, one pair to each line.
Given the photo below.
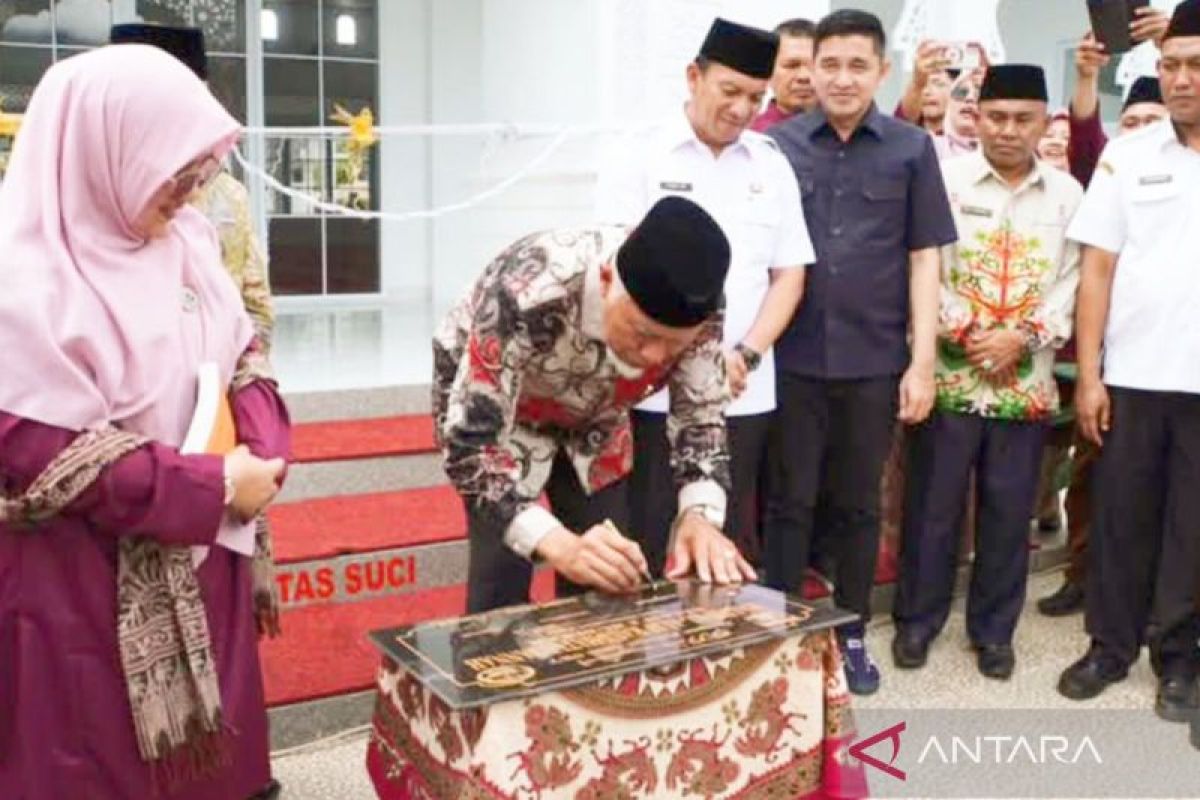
94, 328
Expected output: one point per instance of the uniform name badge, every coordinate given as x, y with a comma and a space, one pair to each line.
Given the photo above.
1155, 180
977, 211
675, 186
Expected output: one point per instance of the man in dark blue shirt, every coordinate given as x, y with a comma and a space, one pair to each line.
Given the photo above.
860, 351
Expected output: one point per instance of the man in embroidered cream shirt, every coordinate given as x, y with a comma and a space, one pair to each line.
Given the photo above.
1008, 292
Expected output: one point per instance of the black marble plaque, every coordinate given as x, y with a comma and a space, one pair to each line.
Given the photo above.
527, 650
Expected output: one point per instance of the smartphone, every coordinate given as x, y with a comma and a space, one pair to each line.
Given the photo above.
1111, 20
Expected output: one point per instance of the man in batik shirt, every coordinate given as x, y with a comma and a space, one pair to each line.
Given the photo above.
1008, 290
534, 374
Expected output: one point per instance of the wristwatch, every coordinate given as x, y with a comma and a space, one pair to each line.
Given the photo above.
710, 513
751, 356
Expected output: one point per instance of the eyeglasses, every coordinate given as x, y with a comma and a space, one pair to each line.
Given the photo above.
964, 92
193, 177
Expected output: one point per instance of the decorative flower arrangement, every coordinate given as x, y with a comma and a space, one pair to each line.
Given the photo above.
9, 125
362, 137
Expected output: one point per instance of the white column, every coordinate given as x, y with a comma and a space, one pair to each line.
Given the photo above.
124, 11
254, 146
405, 83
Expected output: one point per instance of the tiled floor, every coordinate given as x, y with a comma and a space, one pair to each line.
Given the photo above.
949, 681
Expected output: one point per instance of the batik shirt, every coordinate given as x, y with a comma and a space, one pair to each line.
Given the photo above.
1012, 268
521, 370
225, 204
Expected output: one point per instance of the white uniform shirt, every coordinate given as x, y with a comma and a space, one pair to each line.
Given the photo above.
752, 193
1144, 204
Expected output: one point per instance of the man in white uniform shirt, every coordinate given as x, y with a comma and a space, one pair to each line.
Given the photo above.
739, 177
1138, 295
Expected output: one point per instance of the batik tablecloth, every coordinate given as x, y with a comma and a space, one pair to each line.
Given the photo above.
768, 721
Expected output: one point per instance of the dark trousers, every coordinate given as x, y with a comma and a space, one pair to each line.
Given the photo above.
497, 577
653, 496
1006, 459
1144, 553
1078, 507
833, 437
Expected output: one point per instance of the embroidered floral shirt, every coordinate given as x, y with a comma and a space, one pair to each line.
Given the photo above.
521, 369
225, 203
1013, 268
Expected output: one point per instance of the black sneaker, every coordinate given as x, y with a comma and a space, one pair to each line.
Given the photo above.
1195, 736
1050, 524
1091, 675
1069, 599
862, 675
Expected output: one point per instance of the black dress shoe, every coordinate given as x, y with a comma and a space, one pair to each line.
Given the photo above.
909, 649
1048, 525
1091, 675
1195, 736
1177, 694
271, 792
1069, 599
995, 661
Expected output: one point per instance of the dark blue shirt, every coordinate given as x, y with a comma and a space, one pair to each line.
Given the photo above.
868, 203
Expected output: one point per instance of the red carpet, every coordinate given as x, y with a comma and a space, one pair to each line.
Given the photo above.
361, 523
362, 438
324, 650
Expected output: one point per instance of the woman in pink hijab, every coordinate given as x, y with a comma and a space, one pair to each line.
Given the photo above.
128, 665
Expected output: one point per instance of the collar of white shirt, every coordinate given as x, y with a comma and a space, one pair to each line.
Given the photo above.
679, 133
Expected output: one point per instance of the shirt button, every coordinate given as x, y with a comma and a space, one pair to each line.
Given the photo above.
837, 231
841, 153
837, 192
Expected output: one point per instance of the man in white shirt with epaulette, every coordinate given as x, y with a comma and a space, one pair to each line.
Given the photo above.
1138, 300
739, 177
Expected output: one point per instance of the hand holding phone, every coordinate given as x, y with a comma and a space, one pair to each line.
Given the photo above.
1148, 24
964, 56
1112, 22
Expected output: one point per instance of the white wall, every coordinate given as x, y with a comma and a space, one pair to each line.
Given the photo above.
405, 52
519, 61
1037, 32
558, 62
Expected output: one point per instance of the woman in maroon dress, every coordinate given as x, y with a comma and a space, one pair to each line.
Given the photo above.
128, 660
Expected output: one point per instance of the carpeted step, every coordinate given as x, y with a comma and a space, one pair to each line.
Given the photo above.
335, 526
345, 440
361, 403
